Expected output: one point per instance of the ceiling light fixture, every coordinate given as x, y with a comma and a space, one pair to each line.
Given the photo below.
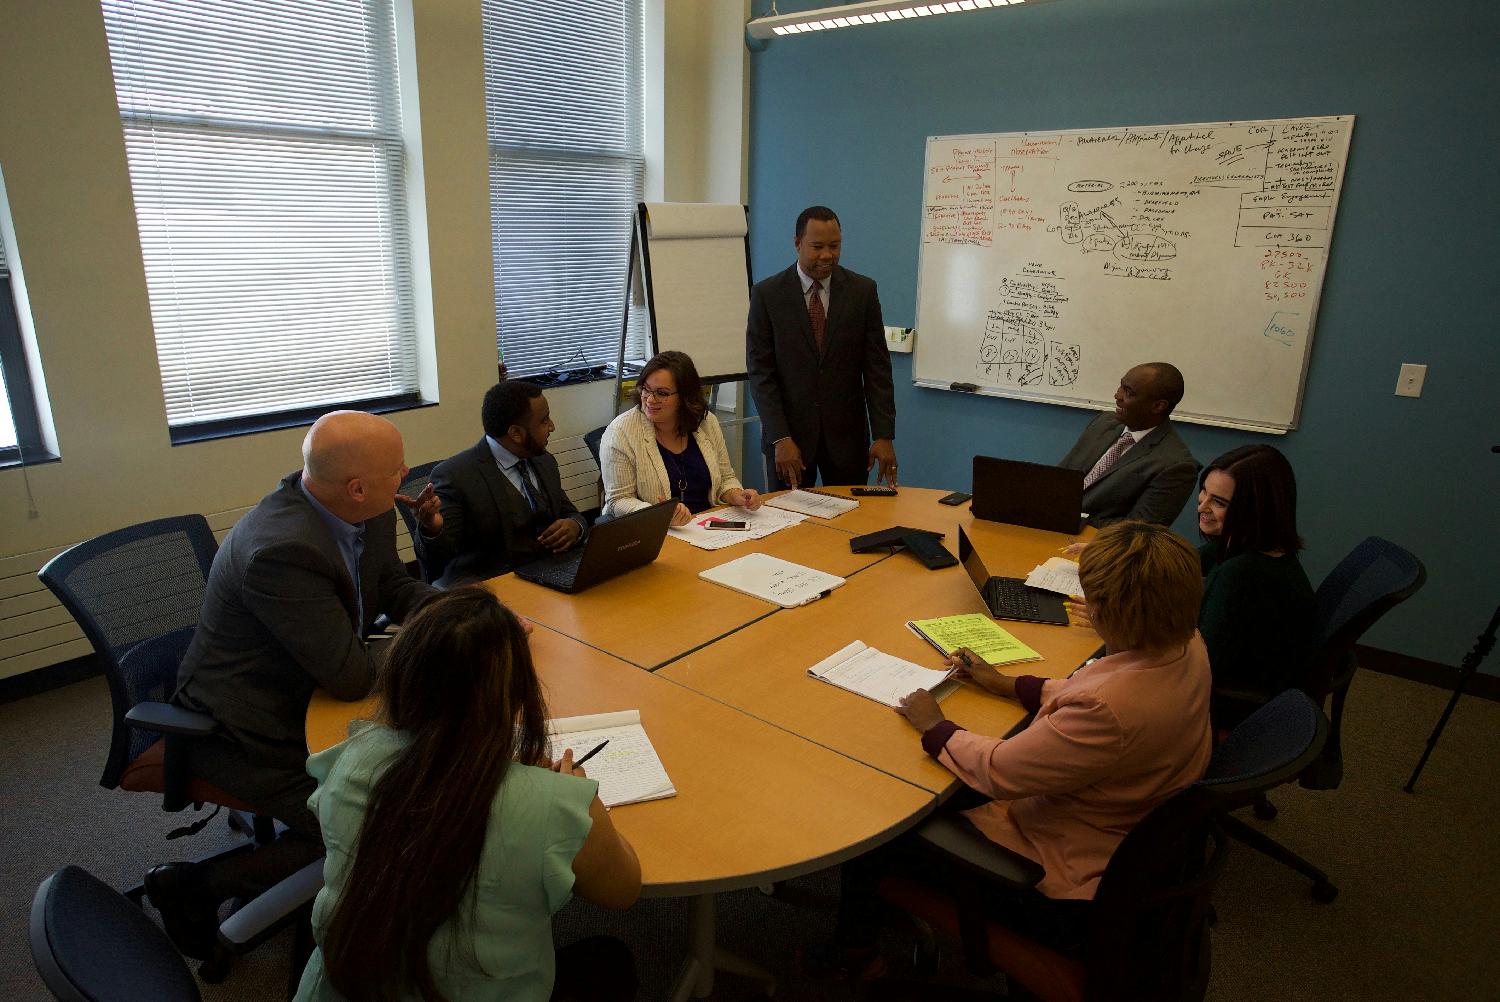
869, 12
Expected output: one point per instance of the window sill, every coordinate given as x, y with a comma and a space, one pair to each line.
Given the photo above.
13, 457
208, 431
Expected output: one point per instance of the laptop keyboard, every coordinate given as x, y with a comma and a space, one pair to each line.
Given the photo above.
558, 575
1009, 598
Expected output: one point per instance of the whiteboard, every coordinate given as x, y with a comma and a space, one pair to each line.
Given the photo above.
1053, 262
696, 266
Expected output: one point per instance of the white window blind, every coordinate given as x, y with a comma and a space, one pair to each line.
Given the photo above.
267, 161
563, 112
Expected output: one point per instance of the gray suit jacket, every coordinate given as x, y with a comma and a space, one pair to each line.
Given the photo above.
843, 397
279, 620
1150, 482
488, 526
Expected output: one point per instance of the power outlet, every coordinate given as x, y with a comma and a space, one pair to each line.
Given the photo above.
1409, 383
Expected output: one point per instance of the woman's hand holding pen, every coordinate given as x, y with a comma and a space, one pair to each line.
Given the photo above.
1078, 611
983, 674
565, 765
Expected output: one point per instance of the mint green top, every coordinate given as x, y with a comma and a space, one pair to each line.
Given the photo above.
538, 822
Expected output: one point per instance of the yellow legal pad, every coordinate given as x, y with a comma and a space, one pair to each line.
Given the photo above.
976, 631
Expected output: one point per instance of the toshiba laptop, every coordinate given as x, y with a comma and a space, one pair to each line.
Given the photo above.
613, 547
1009, 598
1029, 494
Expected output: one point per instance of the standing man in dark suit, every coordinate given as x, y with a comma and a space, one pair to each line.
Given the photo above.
293, 593
819, 368
1134, 464
502, 499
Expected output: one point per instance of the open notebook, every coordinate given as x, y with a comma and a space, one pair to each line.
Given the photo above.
628, 769
876, 675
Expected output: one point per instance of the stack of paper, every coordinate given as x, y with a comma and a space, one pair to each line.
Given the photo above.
1058, 574
813, 503
979, 633
876, 675
763, 522
628, 769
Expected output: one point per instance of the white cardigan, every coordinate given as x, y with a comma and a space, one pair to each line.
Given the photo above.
634, 475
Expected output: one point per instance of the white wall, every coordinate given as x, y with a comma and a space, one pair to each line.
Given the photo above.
63, 155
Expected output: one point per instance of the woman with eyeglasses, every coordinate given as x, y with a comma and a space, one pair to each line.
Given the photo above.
669, 446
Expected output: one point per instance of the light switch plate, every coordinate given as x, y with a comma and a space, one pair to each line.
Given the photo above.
1409, 383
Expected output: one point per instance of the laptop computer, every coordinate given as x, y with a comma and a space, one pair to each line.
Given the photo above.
613, 547
1029, 494
1009, 598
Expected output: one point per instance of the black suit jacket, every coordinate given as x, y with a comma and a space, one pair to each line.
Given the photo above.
279, 620
1151, 481
841, 398
488, 526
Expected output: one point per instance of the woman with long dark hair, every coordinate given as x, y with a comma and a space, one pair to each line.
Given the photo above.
670, 446
1258, 606
451, 839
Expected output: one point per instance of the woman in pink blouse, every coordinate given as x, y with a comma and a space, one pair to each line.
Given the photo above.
1107, 745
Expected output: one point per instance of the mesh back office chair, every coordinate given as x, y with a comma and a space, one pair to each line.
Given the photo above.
1148, 935
136, 593
89, 943
1373, 579
415, 482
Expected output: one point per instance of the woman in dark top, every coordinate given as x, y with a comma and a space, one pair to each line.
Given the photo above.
1258, 606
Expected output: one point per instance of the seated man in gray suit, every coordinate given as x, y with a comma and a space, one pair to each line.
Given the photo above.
293, 593
502, 499
1135, 465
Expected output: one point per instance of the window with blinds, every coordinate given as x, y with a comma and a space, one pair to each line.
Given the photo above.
268, 166
20, 427
563, 113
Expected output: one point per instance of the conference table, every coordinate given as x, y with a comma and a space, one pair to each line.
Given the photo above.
777, 774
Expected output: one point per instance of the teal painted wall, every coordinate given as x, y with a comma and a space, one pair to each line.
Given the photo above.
841, 118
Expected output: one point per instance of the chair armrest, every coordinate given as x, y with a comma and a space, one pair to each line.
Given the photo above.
955, 835
266, 915
168, 719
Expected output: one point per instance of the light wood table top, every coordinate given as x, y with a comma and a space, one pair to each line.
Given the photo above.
762, 669
754, 803
917, 507
663, 610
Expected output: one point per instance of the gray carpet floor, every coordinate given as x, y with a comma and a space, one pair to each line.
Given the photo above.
1416, 917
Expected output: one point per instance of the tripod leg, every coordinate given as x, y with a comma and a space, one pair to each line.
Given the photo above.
1482, 646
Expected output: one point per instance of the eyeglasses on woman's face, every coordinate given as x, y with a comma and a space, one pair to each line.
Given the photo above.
659, 394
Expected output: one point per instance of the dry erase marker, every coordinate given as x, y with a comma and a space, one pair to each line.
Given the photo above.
596, 750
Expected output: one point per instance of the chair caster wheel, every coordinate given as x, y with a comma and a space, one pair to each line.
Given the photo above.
1324, 893
1265, 810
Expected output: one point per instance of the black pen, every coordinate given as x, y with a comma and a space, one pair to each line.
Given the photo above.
596, 750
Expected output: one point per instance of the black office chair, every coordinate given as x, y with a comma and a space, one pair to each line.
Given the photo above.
1373, 579
89, 943
416, 480
1148, 931
137, 593
593, 439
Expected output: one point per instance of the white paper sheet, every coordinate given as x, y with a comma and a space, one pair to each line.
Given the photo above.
763, 521
1058, 574
811, 503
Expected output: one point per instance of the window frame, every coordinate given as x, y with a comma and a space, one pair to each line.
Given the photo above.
389, 138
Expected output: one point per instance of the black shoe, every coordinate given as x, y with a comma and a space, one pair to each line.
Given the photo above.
191, 920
